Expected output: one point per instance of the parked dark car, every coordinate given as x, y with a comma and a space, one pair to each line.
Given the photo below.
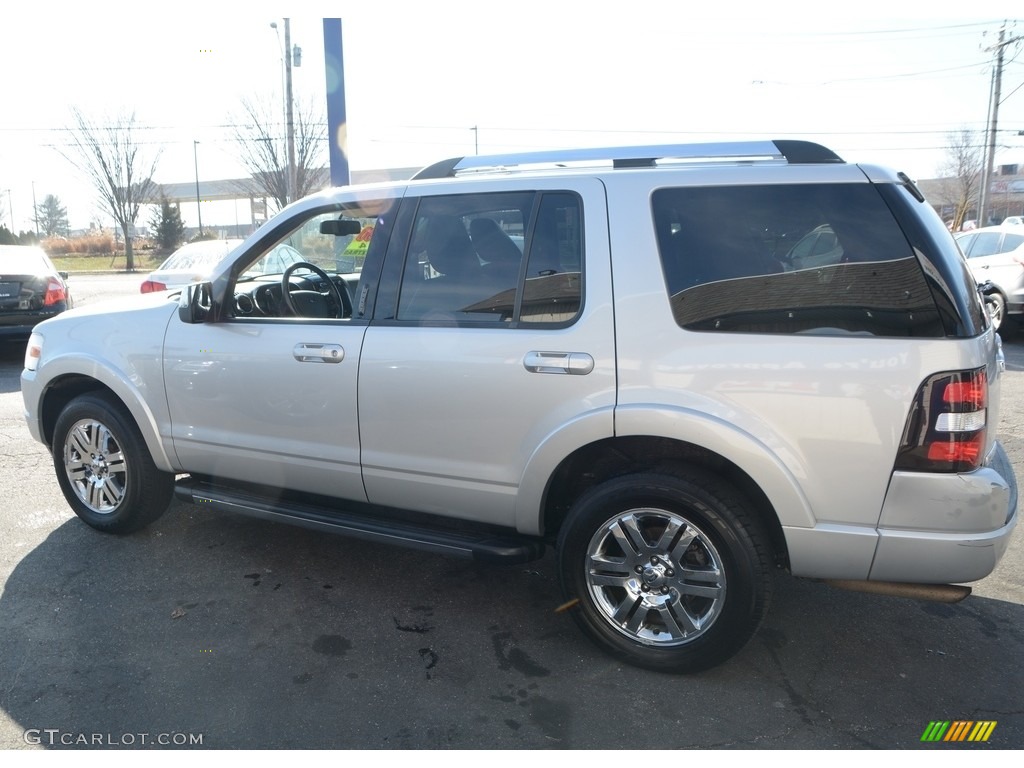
31, 290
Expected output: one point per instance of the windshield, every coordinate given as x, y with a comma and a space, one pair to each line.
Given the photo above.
202, 255
335, 254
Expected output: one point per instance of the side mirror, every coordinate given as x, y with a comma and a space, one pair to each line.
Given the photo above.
196, 303
339, 227
63, 275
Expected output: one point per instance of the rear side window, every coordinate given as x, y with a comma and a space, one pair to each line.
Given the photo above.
1012, 242
808, 258
498, 259
983, 244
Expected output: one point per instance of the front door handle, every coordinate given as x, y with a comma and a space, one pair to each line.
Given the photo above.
575, 363
318, 353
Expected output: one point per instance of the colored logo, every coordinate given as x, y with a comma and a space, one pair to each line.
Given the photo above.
958, 730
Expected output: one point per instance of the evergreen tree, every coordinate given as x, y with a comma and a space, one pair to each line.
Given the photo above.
167, 226
52, 217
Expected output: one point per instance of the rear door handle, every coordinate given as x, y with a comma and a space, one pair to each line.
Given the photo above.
574, 363
318, 353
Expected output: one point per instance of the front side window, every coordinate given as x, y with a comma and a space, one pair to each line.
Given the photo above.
494, 259
808, 258
313, 269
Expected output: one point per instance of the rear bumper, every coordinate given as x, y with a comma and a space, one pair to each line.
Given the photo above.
934, 529
19, 325
943, 529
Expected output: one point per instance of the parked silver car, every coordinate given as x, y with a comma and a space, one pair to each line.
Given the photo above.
589, 350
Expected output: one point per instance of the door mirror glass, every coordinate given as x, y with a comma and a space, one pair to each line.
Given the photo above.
195, 303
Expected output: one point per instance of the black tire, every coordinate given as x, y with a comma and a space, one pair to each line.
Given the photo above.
672, 571
116, 488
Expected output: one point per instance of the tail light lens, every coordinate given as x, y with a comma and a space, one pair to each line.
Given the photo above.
151, 286
946, 429
55, 292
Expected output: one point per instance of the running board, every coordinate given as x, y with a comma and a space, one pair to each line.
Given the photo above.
485, 546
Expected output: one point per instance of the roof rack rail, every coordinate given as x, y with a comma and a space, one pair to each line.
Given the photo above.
793, 152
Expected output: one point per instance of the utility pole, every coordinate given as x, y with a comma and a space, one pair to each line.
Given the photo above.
990, 145
288, 105
35, 208
199, 205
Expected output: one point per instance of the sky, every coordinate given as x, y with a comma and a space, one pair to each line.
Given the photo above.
886, 83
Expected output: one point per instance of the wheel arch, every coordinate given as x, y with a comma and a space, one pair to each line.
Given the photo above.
65, 387
647, 439
619, 456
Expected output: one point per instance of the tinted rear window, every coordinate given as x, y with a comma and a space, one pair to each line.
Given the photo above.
808, 258
23, 259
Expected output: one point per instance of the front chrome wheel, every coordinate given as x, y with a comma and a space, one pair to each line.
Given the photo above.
95, 466
104, 467
996, 309
655, 577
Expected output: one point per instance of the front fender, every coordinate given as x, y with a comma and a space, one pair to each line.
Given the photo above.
122, 352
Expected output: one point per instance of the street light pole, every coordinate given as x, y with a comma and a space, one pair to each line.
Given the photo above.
35, 208
288, 107
199, 207
284, 99
10, 210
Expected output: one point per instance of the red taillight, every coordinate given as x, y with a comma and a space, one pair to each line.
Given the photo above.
149, 286
947, 426
972, 394
54, 293
958, 450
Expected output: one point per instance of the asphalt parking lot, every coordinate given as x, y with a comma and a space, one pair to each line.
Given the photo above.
225, 632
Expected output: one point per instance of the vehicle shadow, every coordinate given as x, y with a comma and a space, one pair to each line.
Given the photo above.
252, 635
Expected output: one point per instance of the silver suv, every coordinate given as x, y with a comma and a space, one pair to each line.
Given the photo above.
612, 352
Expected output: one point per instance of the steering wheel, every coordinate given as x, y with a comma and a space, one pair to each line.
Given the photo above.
303, 303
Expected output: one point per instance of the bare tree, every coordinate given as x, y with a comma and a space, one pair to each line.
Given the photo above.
263, 150
112, 157
961, 173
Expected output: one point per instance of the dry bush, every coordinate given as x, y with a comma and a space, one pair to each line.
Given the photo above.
100, 244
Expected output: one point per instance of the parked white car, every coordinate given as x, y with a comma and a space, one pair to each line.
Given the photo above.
996, 258
193, 262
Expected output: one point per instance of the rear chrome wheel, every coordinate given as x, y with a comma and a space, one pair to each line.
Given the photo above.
656, 577
670, 572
